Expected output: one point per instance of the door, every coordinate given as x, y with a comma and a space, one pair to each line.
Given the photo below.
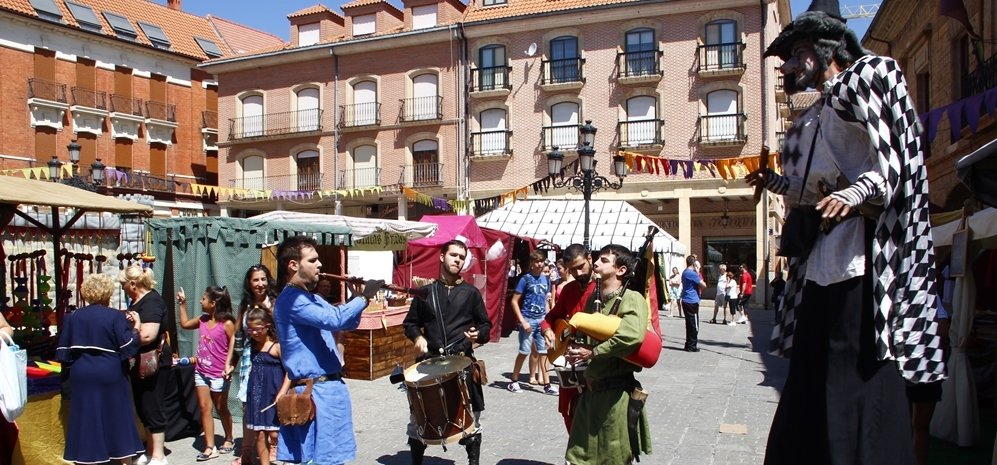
252, 116
721, 107
308, 109
364, 103
424, 105
641, 121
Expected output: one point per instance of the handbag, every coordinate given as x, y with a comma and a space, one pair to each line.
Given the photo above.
13, 378
148, 362
799, 232
478, 373
295, 409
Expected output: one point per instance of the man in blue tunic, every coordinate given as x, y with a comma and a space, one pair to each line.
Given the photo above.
305, 326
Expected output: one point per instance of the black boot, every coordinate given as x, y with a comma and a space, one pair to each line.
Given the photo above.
417, 449
473, 445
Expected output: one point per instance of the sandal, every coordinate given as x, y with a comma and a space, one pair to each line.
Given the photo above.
207, 455
227, 449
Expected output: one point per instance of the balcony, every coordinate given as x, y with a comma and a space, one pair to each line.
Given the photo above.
88, 110
780, 139
491, 81
141, 182
780, 90
638, 67
721, 59
160, 121
47, 102
493, 143
422, 175
562, 74
418, 109
722, 130
360, 178
126, 116
282, 183
640, 134
982, 79
275, 125
360, 115
565, 137
209, 129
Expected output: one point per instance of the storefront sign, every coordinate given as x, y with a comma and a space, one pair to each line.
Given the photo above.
381, 240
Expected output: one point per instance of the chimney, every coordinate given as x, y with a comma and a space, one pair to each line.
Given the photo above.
173, 4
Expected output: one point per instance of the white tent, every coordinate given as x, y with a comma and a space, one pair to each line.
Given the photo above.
361, 227
562, 222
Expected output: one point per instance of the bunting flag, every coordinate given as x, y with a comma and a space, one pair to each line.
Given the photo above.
961, 113
725, 168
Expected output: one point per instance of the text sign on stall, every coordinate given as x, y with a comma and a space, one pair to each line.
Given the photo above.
381, 240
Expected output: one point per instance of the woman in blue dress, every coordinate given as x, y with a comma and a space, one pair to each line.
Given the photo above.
98, 341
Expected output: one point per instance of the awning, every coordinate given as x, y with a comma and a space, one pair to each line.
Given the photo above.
368, 233
978, 171
20, 191
562, 222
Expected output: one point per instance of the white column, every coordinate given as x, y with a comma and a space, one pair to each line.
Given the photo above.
685, 217
402, 207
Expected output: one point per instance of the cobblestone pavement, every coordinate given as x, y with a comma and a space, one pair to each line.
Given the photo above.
713, 407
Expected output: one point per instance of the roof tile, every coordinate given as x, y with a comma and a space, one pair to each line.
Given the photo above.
356, 3
320, 8
241, 38
513, 8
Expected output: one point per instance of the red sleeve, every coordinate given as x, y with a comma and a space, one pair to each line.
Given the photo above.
567, 299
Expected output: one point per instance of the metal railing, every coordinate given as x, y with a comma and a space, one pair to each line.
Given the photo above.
89, 98
275, 124
141, 182
713, 57
284, 182
46, 90
562, 71
635, 64
209, 119
123, 104
360, 177
360, 114
422, 108
780, 139
564, 137
489, 143
639, 133
490, 78
722, 128
161, 111
423, 174
982, 79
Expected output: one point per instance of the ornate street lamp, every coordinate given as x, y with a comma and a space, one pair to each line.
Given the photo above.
74, 179
589, 180
54, 168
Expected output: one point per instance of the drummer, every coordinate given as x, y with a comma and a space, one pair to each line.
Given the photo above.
572, 300
450, 320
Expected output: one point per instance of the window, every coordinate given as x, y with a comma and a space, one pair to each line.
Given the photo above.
309, 176
423, 17
252, 172
210, 48
960, 60
425, 163
85, 17
722, 121
363, 25
922, 90
308, 34
155, 35
492, 69
565, 65
493, 138
425, 104
252, 117
493, 2
364, 167
364, 104
47, 10
122, 27
309, 113
722, 46
563, 132
641, 126
641, 51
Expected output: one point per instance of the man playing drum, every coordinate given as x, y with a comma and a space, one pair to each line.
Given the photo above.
450, 320
609, 424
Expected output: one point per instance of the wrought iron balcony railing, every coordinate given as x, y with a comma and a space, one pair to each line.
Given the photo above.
636, 64
716, 57
284, 182
491, 143
127, 105
161, 111
423, 174
562, 71
422, 108
144, 182
490, 78
982, 79
46, 90
89, 98
209, 119
360, 114
564, 137
360, 177
729, 128
276, 124
639, 133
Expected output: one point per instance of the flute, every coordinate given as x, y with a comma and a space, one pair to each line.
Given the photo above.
355, 280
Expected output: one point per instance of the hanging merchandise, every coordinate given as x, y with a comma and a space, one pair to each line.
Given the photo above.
42, 287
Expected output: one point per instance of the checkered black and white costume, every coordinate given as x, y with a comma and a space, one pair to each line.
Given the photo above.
873, 92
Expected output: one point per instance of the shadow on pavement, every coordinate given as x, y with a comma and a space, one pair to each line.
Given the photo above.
776, 368
520, 462
402, 458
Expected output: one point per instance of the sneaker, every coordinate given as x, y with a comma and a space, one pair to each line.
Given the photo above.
731, 323
550, 389
141, 460
161, 461
514, 387
742, 320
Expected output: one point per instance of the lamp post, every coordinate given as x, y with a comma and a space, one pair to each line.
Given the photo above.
74, 179
588, 180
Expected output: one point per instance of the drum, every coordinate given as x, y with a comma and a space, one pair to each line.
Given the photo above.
569, 377
438, 398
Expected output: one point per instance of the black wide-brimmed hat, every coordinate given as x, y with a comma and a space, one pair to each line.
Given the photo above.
822, 20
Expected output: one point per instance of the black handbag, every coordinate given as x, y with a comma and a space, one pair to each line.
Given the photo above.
803, 223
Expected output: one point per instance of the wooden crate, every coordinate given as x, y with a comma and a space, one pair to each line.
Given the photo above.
373, 353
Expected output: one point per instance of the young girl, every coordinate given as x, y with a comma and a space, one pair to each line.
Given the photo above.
267, 382
257, 292
215, 328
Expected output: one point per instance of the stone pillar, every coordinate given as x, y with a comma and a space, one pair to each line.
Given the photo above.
685, 217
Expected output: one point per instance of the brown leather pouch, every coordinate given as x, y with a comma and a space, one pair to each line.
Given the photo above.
478, 373
295, 409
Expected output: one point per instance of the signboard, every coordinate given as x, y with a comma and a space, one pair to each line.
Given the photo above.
381, 240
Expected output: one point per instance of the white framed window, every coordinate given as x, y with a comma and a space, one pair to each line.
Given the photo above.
364, 103
642, 121
425, 163
722, 46
309, 176
564, 126
722, 116
424, 17
252, 172
308, 34
425, 102
364, 24
494, 138
252, 116
365, 169
308, 109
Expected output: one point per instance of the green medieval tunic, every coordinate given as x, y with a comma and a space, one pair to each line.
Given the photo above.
599, 434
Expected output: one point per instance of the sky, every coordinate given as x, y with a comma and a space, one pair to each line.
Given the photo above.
271, 16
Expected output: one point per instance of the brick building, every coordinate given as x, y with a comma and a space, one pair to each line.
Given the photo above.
121, 79
464, 102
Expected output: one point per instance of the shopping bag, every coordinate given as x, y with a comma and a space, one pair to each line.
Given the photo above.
13, 378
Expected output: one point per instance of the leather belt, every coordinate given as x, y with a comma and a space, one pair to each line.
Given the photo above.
320, 379
623, 383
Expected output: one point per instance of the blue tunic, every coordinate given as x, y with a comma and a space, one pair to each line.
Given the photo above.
305, 327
